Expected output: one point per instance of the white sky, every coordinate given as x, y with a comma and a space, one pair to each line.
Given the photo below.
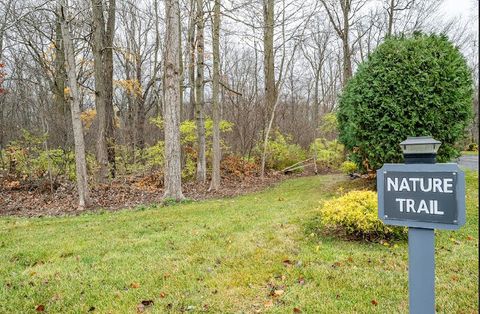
464, 9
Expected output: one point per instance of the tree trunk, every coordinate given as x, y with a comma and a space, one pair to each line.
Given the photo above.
103, 71
390, 12
61, 107
217, 153
140, 115
347, 58
130, 118
180, 61
80, 160
191, 58
199, 103
173, 171
268, 62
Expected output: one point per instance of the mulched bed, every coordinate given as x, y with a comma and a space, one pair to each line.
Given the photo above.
27, 199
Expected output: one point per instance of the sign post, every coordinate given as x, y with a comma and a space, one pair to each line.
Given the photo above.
421, 195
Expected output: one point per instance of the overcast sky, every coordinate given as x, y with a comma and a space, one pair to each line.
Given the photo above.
462, 9
458, 7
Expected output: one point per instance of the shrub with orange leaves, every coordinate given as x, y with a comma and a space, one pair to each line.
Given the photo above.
238, 166
87, 117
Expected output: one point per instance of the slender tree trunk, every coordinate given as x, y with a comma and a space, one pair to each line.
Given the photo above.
191, 58
2, 99
61, 107
103, 71
173, 171
180, 62
268, 62
316, 106
140, 115
347, 58
130, 128
217, 153
390, 12
110, 118
199, 103
80, 160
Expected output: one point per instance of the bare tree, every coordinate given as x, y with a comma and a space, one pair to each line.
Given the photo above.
80, 160
217, 153
342, 16
103, 34
173, 171
199, 96
191, 57
393, 7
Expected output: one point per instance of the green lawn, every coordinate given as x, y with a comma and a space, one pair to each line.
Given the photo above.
469, 153
254, 253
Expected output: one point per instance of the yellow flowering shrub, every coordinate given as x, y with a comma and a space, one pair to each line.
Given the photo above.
356, 213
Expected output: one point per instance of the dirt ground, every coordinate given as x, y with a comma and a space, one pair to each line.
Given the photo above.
29, 199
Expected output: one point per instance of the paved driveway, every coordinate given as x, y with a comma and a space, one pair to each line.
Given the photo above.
469, 162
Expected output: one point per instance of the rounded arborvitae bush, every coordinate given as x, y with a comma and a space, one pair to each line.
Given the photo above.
410, 86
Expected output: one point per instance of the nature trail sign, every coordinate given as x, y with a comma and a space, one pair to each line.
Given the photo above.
422, 196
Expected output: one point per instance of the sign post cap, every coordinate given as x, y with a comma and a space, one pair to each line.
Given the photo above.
420, 145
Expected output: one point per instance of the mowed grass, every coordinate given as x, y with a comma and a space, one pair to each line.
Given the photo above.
259, 253
469, 153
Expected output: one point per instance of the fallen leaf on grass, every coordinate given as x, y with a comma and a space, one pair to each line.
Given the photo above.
40, 308
336, 264
147, 302
470, 238
455, 241
163, 294
268, 303
278, 293
296, 310
142, 306
374, 302
56, 297
454, 278
135, 285
287, 262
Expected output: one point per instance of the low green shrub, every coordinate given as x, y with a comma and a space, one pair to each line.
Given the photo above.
27, 158
328, 126
281, 152
329, 153
348, 167
188, 137
472, 147
356, 214
155, 156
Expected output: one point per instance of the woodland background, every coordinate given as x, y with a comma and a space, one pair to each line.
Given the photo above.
258, 81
